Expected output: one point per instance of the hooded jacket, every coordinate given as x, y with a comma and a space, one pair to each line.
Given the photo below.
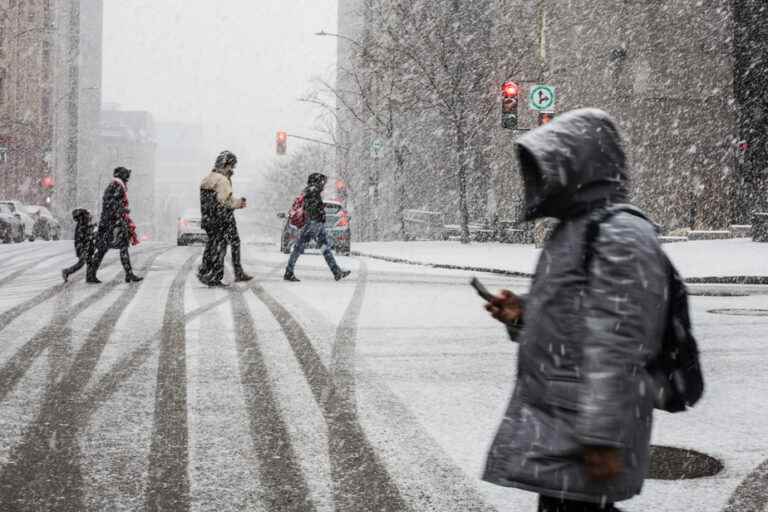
84, 242
313, 197
588, 333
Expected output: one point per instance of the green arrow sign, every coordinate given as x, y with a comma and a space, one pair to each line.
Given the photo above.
542, 98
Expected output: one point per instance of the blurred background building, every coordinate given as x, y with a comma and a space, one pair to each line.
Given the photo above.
128, 139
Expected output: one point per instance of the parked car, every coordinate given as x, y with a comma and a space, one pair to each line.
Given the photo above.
424, 225
11, 228
46, 226
337, 224
188, 229
20, 211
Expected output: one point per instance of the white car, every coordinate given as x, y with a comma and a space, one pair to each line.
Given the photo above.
20, 212
188, 229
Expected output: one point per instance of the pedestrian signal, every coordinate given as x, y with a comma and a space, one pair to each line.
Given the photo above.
545, 117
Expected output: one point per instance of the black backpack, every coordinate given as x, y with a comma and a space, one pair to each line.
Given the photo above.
676, 370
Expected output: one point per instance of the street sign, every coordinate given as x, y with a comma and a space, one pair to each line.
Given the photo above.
376, 147
542, 98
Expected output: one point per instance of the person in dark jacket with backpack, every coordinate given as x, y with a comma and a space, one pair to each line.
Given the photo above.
578, 425
314, 229
84, 241
116, 229
217, 206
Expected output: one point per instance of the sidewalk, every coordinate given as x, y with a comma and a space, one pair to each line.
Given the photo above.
708, 261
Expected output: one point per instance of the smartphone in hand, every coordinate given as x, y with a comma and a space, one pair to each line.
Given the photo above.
481, 290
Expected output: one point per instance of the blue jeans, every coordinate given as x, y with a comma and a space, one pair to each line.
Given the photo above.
313, 230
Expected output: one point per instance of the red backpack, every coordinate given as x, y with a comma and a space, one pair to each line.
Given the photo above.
296, 215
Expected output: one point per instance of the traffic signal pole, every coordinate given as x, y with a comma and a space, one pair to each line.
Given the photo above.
312, 140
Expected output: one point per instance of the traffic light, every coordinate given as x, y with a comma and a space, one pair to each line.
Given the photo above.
47, 182
545, 117
510, 93
282, 142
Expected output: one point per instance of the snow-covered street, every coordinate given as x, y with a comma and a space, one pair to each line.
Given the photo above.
380, 392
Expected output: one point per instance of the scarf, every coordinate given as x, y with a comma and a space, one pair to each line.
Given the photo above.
126, 217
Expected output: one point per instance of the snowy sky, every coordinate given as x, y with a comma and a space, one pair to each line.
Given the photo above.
235, 66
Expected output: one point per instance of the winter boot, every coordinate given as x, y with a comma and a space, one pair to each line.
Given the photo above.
341, 274
132, 278
290, 277
241, 276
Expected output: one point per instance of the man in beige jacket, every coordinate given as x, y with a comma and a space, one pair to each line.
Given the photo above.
217, 204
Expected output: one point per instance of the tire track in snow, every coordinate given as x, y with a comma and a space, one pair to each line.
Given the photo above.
19, 254
16, 273
44, 467
448, 487
18, 365
168, 480
10, 315
360, 479
279, 469
751, 492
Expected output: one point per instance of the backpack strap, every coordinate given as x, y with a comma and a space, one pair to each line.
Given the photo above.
600, 216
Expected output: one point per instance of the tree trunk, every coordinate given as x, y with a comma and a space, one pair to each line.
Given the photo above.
463, 162
400, 188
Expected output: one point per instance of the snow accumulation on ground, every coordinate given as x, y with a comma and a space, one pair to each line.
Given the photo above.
705, 258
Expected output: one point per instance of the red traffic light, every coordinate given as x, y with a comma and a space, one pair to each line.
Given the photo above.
282, 136
510, 89
47, 182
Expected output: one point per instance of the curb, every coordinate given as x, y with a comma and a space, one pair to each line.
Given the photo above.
759, 280
444, 266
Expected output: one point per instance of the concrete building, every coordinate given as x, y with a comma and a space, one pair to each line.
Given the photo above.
128, 139
50, 96
670, 74
685, 80
76, 115
26, 97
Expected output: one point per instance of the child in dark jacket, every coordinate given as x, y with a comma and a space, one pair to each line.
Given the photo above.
84, 241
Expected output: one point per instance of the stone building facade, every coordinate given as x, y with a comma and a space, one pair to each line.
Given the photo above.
50, 97
685, 79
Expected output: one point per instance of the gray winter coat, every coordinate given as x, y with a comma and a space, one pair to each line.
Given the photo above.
587, 335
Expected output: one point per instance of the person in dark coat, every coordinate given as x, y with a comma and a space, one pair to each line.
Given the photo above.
84, 241
578, 425
314, 229
233, 239
217, 206
116, 229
